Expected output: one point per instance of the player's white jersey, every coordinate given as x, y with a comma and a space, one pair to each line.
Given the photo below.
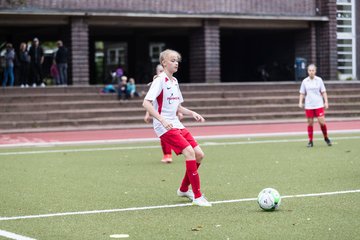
313, 89
166, 96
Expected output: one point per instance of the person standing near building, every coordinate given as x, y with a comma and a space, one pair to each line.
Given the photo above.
314, 91
24, 61
163, 101
36, 54
54, 72
9, 65
61, 59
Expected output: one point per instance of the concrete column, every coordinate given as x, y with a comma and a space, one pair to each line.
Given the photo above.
80, 51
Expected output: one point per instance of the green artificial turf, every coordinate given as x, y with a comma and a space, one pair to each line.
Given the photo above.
105, 177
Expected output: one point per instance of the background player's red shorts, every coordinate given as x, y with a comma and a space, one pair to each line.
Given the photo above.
178, 139
310, 113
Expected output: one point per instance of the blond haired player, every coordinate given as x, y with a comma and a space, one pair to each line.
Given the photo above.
163, 101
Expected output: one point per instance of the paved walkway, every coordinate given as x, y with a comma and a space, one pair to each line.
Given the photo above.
145, 134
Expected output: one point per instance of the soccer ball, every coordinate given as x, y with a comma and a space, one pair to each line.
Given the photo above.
269, 199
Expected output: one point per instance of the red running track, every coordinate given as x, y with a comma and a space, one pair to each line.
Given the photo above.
13, 139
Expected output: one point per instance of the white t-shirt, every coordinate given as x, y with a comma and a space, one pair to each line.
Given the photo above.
313, 89
166, 97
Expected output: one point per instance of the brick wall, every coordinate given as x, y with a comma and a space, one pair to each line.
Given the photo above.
212, 50
80, 51
252, 7
205, 53
197, 55
326, 41
313, 48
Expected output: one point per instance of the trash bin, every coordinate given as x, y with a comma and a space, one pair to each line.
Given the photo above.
300, 68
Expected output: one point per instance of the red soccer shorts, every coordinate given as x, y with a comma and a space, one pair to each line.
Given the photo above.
311, 113
178, 139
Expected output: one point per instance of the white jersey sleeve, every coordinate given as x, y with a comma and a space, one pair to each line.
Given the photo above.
155, 90
322, 86
302, 88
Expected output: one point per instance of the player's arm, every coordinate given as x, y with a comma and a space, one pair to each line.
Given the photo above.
180, 115
147, 104
147, 117
326, 103
301, 99
194, 114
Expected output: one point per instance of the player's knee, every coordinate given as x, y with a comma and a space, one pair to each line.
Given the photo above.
321, 121
189, 153
199, 156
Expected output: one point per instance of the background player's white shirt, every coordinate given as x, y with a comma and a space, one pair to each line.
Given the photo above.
166, 96
312, 90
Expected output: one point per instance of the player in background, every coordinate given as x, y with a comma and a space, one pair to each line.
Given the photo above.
166, 148
163, 101
314, 91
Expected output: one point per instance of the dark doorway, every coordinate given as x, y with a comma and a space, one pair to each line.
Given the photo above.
139, 47
257, 55
47, 35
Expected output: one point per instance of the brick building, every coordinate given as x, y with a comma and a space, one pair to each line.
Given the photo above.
220, 40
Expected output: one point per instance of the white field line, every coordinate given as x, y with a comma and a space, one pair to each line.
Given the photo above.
77, 150
53, 143
152, 147
167, 206
14, 236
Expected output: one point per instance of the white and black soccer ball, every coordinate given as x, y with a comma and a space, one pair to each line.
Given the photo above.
269, 199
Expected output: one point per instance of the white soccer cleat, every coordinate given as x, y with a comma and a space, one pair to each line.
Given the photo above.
189, 194
202, 202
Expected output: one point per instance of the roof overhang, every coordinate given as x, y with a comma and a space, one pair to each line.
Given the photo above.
126, 19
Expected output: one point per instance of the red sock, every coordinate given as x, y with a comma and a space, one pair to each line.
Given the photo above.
324, 130
192, 173
310, 132
186, 181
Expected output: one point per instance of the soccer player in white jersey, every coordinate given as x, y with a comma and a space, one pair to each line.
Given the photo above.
314, 91
163, 101
166, 148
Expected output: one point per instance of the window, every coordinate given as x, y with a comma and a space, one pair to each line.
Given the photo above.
154, 51
117, 55
346, 39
